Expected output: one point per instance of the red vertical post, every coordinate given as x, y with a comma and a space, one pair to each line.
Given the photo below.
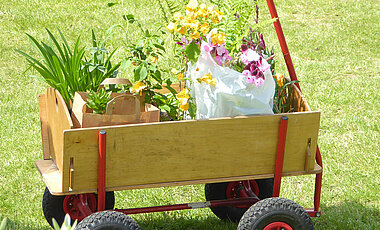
318, 183
102, 170
280, 156
281, 38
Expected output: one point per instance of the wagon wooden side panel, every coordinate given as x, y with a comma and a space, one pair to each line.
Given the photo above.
176, 153
188, 151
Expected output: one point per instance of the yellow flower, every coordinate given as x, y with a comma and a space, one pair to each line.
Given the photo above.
193, 24
218, 38
153, 59
191, 15
180, 76
177, 16
203, 12
205, 28
195, 35
207, 78
192, 5
138, 86
172, 26
184, 107
182, 30
184, 94
280, 79
217, 16
203, 6
183, 98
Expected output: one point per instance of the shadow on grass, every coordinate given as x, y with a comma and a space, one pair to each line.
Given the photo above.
182, 223
15, 225
348, 215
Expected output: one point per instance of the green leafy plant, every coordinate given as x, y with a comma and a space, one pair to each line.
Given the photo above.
99, 67
3, 224
282, 101
66, 225
67, 70
97, 101
60, 67
148, 76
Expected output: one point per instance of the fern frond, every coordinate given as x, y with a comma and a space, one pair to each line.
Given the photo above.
163, 10
168, 8
174, 6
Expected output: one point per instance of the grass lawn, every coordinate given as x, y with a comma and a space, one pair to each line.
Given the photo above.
335, 49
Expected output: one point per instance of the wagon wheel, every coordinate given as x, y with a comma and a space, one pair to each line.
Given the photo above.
262, 188
274, 214
108, 220
57, 206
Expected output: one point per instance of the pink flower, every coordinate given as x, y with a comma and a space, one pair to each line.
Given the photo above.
206, 47
259, 81
248, 56
263, 65
247, 73
250, 80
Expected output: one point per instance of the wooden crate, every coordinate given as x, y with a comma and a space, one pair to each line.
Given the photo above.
173, 153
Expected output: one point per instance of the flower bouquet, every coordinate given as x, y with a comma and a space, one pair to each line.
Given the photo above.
229, 68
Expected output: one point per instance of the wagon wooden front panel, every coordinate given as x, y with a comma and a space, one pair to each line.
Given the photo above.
186, 152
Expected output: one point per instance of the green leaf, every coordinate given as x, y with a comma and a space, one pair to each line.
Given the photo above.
171, 89
140, 73
55, 225
159, 47
192, 52
3, 224
129, 17
289, 83
126, 63
165, 107
110, 4
192, 110
157, 76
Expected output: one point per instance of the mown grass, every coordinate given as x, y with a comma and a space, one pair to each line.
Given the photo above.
335, 50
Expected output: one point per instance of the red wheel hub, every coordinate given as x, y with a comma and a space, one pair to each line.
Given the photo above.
79, 206
239, 189
278, 226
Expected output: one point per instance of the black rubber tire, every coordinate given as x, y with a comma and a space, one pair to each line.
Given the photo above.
272, 210
52, 206
108, 220
217, 191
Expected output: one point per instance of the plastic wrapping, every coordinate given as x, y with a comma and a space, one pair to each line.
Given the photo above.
232, 95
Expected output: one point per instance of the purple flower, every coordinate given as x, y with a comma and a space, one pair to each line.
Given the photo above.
183, 42
243, 48
254, 68
262, 43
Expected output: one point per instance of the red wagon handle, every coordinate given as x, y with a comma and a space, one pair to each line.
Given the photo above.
284, 46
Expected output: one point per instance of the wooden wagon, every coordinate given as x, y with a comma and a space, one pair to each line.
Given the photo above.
236, 157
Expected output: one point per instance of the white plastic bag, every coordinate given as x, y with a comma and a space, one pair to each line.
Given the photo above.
232, 95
